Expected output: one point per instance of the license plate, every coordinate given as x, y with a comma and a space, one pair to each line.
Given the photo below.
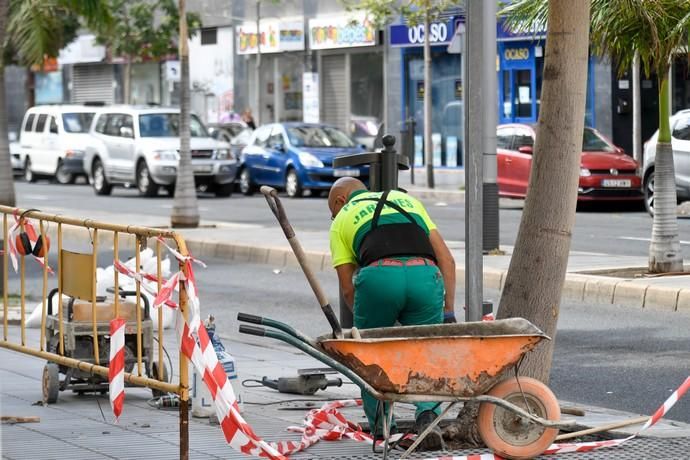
615, 183
346, 172
203, 168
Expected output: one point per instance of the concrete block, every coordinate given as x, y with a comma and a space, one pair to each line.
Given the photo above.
661, 298
600, 290
315, 260
683, 304
208, 250
291, 260
224, 251
629, 294
460, 276
574, 286
276, 257
259, 255
242, 253
327, 262
493, 279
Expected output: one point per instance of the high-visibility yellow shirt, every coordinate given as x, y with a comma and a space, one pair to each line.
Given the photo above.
353, 222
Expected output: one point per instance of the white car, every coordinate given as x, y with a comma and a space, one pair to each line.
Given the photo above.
15, 155
680, 139
139, 146
53, 142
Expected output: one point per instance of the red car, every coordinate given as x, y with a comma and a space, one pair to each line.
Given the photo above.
606, 172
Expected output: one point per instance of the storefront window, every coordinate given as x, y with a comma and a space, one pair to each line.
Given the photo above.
366, 101
291, 68
522, 93
447, 118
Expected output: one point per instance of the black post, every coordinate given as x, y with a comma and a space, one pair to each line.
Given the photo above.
389, 165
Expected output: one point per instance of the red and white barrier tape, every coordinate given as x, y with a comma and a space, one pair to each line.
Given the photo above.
141, 278
116, 366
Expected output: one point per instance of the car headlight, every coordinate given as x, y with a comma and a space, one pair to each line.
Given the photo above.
584, 172
222, 154
74, 154
309, 160
166, 155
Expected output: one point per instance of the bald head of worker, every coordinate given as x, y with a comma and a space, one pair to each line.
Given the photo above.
341, 191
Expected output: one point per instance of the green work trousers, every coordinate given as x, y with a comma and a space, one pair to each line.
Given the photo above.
411, 295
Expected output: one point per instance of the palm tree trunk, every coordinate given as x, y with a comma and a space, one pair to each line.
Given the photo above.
428, 145
664, 250
185, 212
538, 266
7, 196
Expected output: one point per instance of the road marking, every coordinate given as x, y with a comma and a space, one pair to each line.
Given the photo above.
647, 240
36, 197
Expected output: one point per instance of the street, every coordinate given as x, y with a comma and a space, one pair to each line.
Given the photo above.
612, 229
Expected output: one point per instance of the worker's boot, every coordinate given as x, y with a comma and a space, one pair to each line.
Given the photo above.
433, 440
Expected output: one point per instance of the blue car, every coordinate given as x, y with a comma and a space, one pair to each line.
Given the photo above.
296, 157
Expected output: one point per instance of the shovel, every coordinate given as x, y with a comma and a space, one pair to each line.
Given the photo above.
276, 206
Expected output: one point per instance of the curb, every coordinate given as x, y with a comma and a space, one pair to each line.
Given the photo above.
578, 287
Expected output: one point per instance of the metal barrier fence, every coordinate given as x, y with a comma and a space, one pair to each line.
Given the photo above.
73, 335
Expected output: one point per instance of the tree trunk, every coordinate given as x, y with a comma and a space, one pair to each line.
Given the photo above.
664, 250
30, 87
185, 212
428, 145
127, 81
7, 196
257, 66
538, 266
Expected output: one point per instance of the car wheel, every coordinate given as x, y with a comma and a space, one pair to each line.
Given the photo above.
223, 190
63, 177
145, 184
293, 186
247, 187
170, 189
649, 193
100, 182
29, 175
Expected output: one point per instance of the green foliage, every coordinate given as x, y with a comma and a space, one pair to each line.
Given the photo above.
655, 28
382, 12
143, 29
40, 28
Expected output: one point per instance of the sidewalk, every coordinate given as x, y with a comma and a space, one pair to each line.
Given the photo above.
75, 428
591, 277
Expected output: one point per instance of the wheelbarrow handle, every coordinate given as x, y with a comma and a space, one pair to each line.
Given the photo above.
248, 318
278, 210
252, 330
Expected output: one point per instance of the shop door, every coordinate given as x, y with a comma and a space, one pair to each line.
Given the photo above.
517, 96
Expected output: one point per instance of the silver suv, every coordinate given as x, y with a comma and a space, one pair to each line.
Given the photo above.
680, 139
139, 146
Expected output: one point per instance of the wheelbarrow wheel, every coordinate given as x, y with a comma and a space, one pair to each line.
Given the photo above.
154, 375
508, 434
51, 383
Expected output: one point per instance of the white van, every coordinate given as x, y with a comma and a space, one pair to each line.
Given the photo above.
53, 141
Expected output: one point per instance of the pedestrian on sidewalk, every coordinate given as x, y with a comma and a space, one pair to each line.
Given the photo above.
248, 118
406, 271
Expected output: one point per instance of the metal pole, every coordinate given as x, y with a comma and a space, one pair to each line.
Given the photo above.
637, 112
257, 116
428, 145
474, 120
490, 108
389, 164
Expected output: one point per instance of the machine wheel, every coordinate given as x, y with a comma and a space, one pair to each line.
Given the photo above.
100, 182
145, 183
154, 375
223, 190
649, 193
51, 383
293, 186
29, 175
509, 435
247, 187
63, 177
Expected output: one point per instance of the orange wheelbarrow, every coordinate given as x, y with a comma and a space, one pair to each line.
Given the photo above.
519, 417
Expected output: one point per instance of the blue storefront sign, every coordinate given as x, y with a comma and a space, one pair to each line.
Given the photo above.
440, 33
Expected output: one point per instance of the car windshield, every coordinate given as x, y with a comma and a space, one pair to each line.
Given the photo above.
318, 136
78, 122
593, 142
168, 125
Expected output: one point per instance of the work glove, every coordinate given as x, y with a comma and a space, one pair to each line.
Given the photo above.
449, 317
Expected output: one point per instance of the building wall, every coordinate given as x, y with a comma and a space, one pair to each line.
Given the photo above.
602, 103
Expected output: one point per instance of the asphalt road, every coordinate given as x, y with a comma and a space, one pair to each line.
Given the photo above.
612, 229
610, 356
